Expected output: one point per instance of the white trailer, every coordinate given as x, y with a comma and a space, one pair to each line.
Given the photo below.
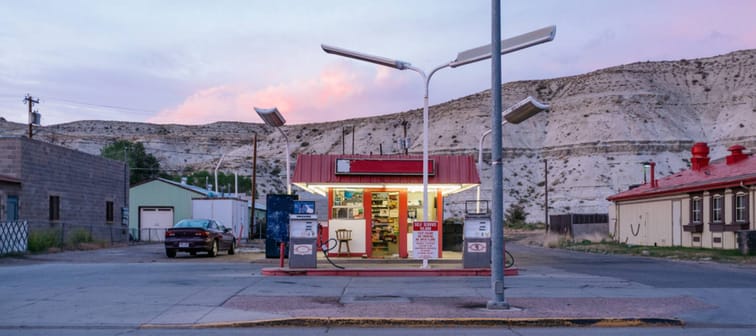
233, 213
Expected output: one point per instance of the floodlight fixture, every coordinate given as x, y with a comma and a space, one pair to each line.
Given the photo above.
523, 110
271, 116
391, 63
509, 45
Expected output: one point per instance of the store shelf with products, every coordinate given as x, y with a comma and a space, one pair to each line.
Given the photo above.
385, 219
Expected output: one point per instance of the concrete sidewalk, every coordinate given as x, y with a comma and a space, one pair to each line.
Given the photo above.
537, 298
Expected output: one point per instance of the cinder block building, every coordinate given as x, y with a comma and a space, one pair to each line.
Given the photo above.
704, 206
52, 187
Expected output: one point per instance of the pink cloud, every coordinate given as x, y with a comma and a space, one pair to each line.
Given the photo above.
338, 92
311, 100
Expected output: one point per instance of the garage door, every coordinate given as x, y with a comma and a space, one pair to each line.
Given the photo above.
153, 222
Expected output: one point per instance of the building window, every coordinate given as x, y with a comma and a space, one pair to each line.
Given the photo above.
54, 208
109, 211
347, 204
741, 208
717, 203
696, 206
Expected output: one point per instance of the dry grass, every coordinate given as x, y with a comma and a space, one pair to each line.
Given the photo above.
604, 245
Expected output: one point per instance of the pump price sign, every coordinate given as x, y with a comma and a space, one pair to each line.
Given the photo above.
425, 240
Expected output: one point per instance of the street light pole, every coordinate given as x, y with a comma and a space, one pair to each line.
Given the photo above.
463, 58
480, 166
515, 114
497, 194
426, 80
272, 117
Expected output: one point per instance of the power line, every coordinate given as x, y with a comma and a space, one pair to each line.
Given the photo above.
116, 107
83, 103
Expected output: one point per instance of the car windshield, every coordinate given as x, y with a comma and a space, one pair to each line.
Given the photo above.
193, 223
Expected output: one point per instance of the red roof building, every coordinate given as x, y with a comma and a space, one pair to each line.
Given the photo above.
378, 198
700, 207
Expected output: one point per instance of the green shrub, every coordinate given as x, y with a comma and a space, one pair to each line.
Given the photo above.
515, 216
80, 236
41, 240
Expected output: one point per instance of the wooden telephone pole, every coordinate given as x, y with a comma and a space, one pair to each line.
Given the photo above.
31, 101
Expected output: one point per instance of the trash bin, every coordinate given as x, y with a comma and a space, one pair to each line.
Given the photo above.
747, 241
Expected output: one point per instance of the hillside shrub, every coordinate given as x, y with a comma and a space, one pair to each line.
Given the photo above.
515, 216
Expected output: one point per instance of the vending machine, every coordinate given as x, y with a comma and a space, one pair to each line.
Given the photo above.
303, 235
476, 235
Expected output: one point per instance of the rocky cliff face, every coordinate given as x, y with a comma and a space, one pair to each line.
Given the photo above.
600, 128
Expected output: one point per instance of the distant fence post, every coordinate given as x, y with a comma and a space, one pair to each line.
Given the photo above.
62, 234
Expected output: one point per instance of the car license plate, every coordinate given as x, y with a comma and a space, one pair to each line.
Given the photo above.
183, 244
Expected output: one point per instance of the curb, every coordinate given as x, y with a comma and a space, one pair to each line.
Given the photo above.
382, 272
432, 322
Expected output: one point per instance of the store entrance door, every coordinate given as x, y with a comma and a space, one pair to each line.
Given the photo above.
385, 224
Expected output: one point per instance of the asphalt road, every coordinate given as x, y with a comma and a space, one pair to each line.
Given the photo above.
116, 291
659, 273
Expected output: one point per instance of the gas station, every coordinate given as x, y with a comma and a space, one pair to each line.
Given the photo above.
378, 201
378, 198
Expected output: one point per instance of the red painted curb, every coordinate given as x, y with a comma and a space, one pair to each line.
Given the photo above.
383, 272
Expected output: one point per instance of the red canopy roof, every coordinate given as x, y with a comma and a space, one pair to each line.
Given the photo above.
716, 175
321, 169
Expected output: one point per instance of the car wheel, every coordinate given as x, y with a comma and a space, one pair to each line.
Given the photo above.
213, 250
171, 253
232, 249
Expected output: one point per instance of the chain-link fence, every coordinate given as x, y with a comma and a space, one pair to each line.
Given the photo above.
43, 235
14, 236
77, 233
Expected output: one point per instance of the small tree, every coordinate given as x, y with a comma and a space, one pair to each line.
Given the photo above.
515, 216
202, 178
142, 166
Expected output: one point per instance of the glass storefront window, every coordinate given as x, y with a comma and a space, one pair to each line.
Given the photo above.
347, 204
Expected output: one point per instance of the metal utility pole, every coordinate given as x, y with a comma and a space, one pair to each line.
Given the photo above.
546, 194
404, 139
497, 198
254, 182
31, 101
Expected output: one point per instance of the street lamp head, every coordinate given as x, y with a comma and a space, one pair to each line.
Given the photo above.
271, 116
391, 63
523, 110
509, 45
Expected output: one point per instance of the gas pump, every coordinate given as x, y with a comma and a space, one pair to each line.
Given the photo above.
303, 235
477, 235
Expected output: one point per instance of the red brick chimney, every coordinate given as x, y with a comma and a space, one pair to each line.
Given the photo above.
653, 174
700, 159
736, 154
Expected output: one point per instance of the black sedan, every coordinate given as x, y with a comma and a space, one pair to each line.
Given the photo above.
199, 235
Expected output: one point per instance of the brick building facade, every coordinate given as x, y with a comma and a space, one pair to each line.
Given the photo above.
53, 187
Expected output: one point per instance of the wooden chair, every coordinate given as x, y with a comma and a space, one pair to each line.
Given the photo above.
343, 236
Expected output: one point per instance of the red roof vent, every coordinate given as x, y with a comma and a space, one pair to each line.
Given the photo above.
736, 154
700, 157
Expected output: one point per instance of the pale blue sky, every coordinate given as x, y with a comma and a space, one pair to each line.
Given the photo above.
194, 62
